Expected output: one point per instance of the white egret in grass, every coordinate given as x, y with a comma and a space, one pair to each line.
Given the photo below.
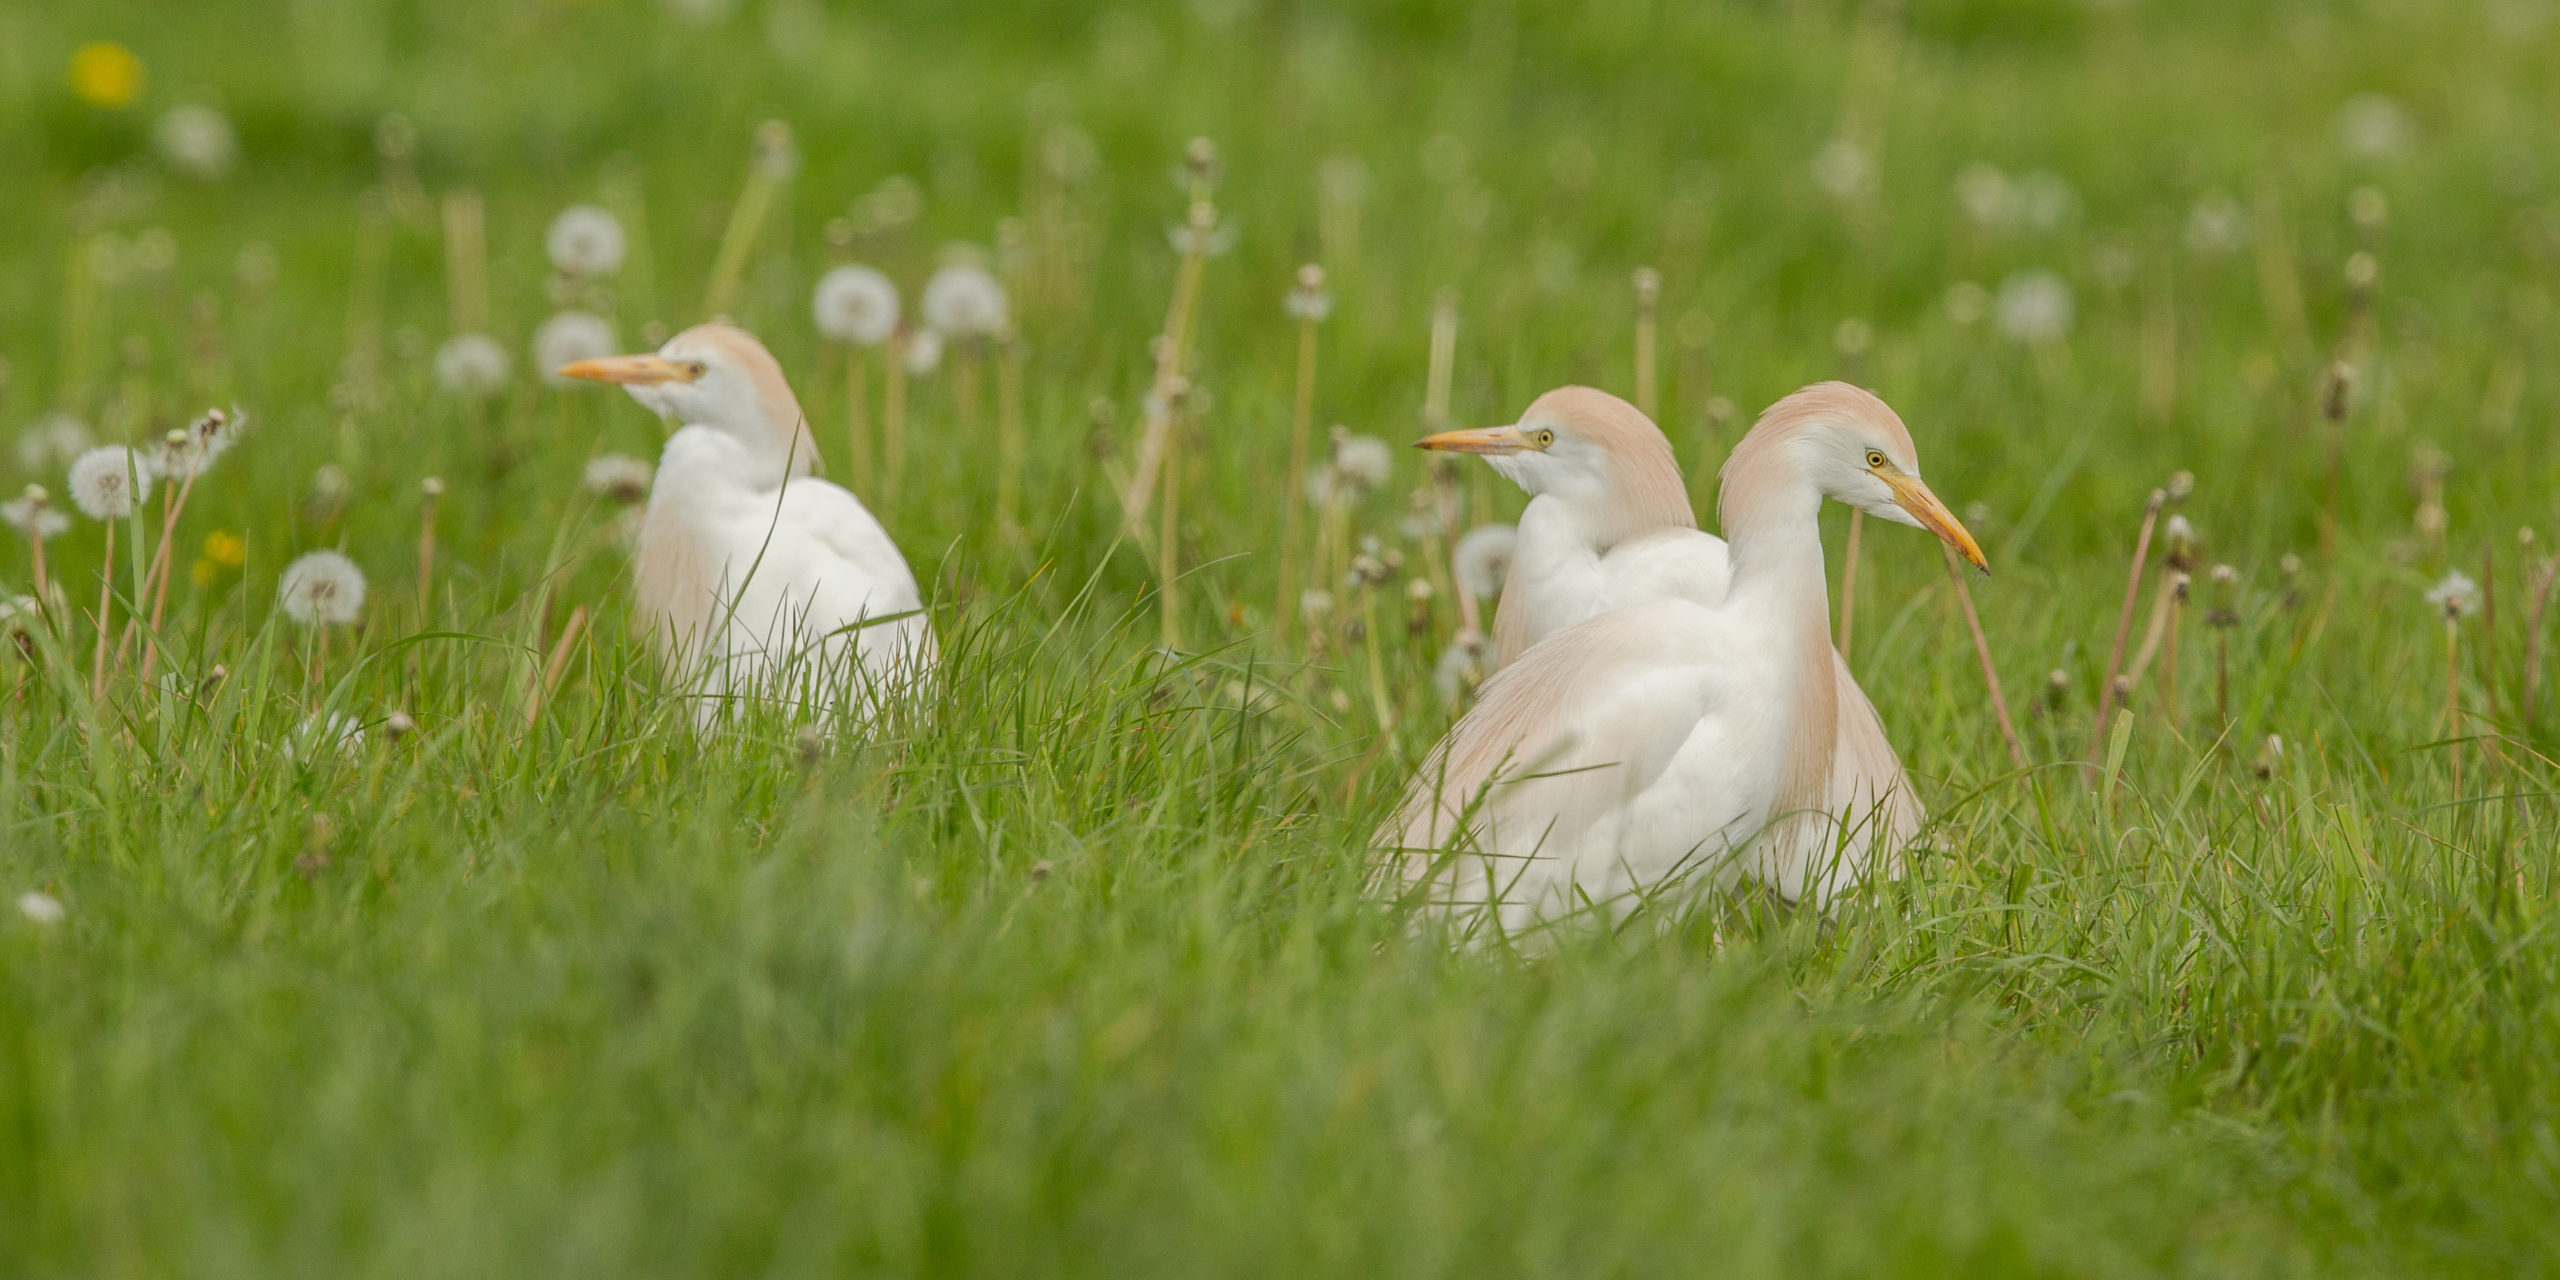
1678, 734
754, 576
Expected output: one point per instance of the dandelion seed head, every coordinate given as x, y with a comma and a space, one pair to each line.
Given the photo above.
2225, 576
964, 300
1309, 303
1843, 168
33, 514
472, 366
190, 452
197, 141
2368, 207
855, 304
52, 441
2216, 225
2455, 593
2375, 125
924, 352
1983, 192
107, 481
586, 240
1315, 603
1460, 667
619, 477
322, 588
40, 908
567, 338
1363, 462
2035, 308
777, 156
20, 617
1482, 558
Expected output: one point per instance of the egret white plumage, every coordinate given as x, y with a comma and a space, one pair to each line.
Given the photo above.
1673, 737
1609, 526
756, 578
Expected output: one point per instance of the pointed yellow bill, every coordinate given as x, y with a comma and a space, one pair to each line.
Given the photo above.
1489, 440
637, 371
1913, 496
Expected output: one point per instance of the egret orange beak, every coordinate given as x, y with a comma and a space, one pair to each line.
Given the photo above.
1487, 440
636, 371
1913, 496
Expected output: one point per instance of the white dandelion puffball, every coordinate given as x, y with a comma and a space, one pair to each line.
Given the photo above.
2217, 224
2374, 124
33, 514
1460, 667
2034, 307
964, 300
1843, 167
567, 338
2456, 594
186, 454
1483, 558
1363, 462
924, 352
856, 304
107, 481
472, 366
585, 241
52, 441
619, 477
322, 589
1309, 302
197, 141
40, 907
1985, 194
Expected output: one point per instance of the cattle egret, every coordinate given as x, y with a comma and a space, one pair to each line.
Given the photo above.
1608, 526
1627, 751
755, 577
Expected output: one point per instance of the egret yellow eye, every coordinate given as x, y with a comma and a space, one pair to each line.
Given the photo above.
1542, 437
697, 368
1875, 457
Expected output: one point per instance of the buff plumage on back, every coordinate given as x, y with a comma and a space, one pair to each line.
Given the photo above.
779, 408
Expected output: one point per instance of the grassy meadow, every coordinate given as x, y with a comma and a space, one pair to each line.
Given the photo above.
440, 944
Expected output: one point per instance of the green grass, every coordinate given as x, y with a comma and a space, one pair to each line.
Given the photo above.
1070, 967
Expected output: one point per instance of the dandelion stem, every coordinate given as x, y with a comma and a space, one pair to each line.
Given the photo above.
1009, 440
1648, 300
1169, 528
2169, 652
893, 419
1990, 672
160, 572
466, 261
1169, 356
1377, 663
1293, 493
106, 599
2453, 693
427, 494
2538, 598
2124, 623
857, 429
548, 678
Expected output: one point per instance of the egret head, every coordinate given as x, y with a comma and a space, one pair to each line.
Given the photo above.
1851, 447
1587, 448
717, 376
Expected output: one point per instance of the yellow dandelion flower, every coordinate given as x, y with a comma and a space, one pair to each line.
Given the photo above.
106, 74
225, 549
